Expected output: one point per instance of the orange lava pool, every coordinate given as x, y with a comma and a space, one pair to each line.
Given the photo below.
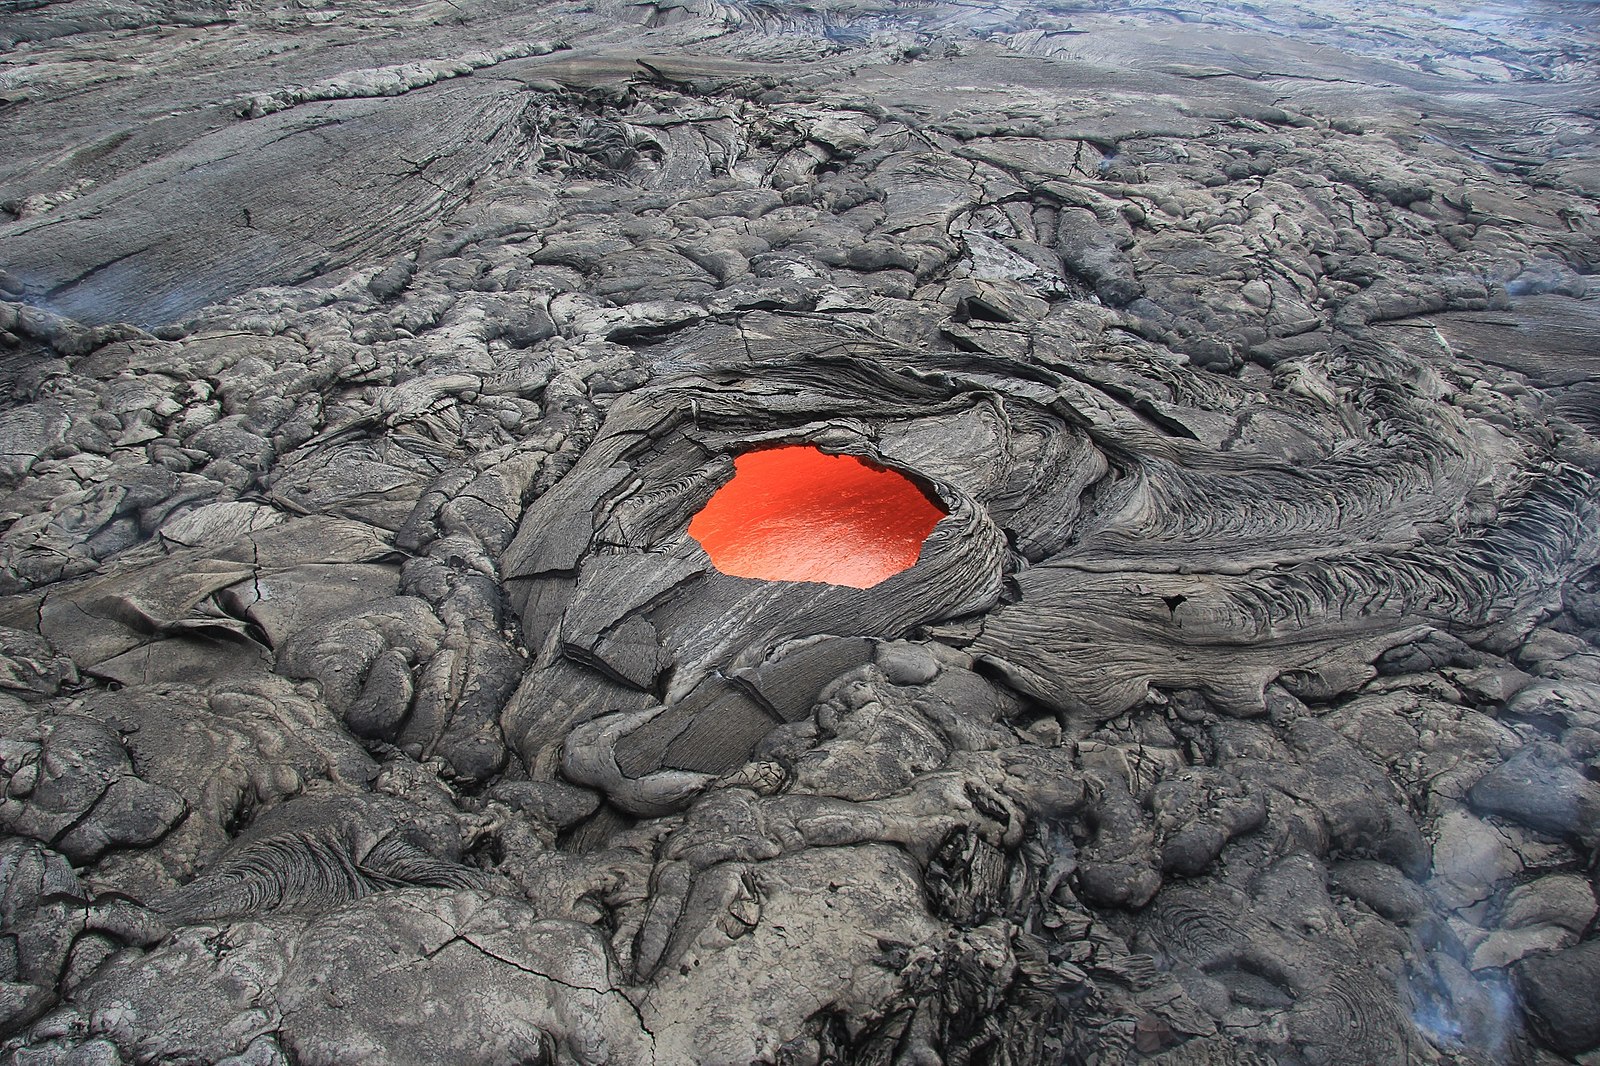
795, 513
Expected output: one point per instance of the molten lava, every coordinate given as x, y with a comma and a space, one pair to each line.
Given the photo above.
794, 513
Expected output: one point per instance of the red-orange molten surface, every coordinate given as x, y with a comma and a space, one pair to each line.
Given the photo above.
793, 513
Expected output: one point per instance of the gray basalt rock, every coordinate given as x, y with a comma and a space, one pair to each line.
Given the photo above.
1554, 988
69, 782
1541, 788
365, 698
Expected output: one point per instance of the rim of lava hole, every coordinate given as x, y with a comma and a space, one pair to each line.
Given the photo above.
793, 512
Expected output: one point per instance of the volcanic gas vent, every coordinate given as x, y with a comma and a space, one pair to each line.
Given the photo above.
795, 513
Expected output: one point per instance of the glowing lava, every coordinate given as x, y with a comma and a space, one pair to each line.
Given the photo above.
794, 513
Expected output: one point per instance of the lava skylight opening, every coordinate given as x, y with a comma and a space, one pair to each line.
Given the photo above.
796, 513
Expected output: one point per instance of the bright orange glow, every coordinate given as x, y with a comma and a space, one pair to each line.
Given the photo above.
794, 513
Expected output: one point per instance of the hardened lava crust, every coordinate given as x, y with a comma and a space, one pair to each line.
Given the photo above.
365, 698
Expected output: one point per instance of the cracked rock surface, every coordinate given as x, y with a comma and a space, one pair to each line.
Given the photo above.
364, 698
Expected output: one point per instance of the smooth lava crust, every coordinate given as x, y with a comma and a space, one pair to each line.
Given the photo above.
795, 513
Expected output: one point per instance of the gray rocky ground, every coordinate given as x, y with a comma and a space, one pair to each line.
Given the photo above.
365, 700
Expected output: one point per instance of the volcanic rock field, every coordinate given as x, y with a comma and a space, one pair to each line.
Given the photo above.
1219, 384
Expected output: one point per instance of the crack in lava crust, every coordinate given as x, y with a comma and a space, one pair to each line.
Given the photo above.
795, 513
